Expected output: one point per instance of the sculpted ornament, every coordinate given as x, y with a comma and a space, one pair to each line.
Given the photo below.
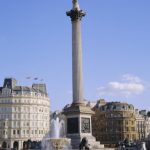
75, 13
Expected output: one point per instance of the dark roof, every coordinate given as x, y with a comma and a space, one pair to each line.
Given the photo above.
21, 88
11, 84
117, 106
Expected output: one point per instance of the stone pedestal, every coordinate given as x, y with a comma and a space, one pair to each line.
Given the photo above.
78, 121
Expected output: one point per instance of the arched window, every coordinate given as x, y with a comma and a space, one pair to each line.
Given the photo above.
4, 145
16, 145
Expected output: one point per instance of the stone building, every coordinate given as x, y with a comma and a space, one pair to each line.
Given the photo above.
97, 103
24, 113
114, 122
142, 124
147, 131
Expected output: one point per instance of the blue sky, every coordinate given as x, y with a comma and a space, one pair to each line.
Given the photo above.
35, 40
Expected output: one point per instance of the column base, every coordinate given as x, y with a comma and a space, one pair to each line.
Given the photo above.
79, 126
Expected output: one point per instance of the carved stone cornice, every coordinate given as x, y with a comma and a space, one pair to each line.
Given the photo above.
78, 108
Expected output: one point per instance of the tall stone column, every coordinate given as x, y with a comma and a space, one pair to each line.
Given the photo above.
77, 74
78, 115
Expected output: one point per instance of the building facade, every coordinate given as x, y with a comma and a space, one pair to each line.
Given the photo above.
147, 133
24, 113
114, 122
142, 124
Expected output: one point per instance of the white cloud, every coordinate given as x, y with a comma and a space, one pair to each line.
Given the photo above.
131, 78
129, 85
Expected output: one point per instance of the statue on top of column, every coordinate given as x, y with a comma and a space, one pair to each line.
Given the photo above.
76, 5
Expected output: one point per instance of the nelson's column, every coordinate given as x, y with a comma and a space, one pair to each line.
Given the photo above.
78, 115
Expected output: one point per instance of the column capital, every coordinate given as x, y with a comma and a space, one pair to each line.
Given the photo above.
75, 14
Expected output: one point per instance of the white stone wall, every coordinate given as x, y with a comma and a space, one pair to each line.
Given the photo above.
23, 117
147, 127
143, 125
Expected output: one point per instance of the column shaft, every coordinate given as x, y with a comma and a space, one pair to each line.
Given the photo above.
77, 74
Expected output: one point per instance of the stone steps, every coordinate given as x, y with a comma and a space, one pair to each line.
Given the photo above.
93, 144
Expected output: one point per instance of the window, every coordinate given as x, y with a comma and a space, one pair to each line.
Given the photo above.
27, 123
27, 131
14, 132
15, 124
18, 132
133, 129
126, 122
132, 122
127, 129
19, 109
4, 132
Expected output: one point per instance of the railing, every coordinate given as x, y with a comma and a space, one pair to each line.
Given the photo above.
38, 95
